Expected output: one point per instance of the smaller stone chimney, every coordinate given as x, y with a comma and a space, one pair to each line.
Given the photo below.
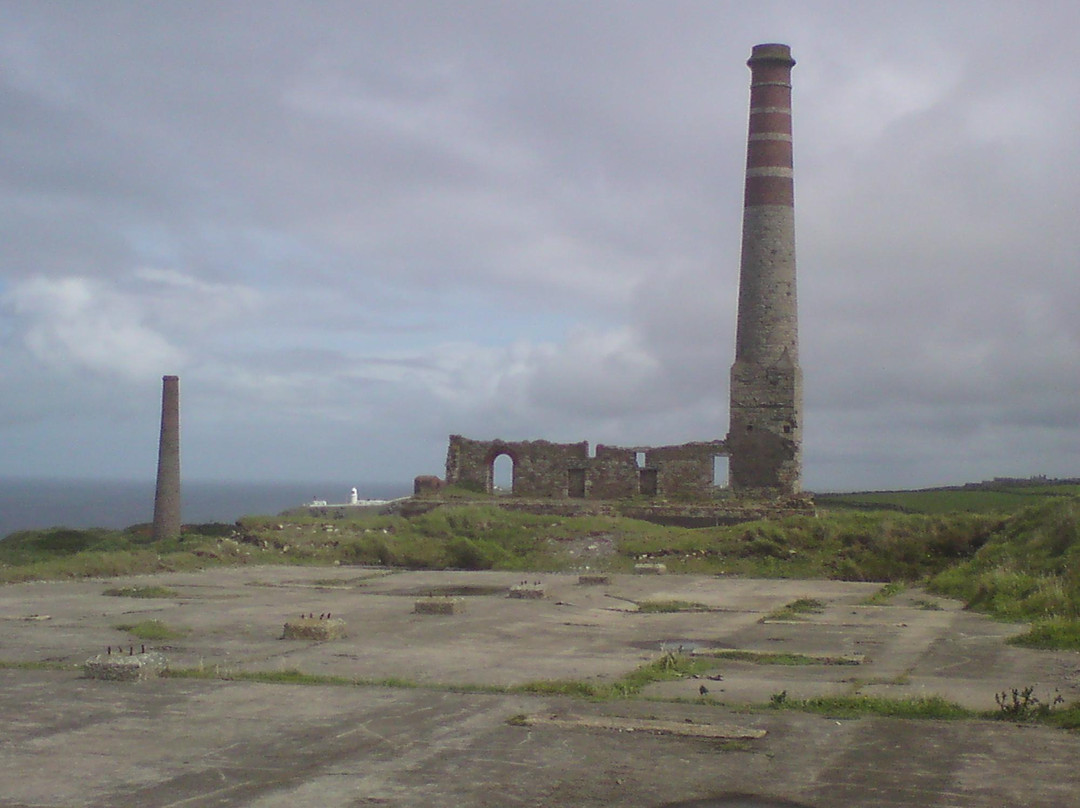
167, 496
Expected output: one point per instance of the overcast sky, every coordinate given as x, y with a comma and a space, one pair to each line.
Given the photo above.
355, 228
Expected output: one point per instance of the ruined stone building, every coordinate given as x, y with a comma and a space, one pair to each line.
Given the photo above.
763, 444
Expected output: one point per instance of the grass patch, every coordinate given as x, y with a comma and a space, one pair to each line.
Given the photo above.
142, 592
668, 666
778, 658
933, 707
1061, 633
1029, 570
1067, 717
37, 665
668, 606
286, 676
797, 610
885, 594
152, 630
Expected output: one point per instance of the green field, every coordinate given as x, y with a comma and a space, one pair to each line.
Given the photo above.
986, 498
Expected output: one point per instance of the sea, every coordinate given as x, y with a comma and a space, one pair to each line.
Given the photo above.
35, 504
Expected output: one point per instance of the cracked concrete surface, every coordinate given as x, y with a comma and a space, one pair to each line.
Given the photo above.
71, 741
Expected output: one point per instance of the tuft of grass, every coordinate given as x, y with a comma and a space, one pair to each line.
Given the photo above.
151, 630
142, 592
1057, 633
668, 666
778, 658
797, 609
1066, 717
563, 687
933, 707
669, 606
885, 594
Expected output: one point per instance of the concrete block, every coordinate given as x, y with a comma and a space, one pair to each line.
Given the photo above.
650, 569
125, 667
439, 606
528, 591
314, 628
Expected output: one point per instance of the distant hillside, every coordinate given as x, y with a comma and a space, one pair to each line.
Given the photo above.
1001, 495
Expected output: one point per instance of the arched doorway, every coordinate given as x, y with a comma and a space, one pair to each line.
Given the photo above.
501, 474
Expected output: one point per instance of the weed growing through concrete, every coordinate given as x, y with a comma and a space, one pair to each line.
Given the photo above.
779, 658
933, 707
797, 609
885, 594
1021, 704
668, 606
1053, 633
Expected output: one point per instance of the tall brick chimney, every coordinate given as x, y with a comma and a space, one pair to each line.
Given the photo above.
765, 430
167, 496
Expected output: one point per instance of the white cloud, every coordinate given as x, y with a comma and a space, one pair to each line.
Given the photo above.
80, 321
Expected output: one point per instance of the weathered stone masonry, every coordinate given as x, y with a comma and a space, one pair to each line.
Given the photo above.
545, 469
167, 492
765, 430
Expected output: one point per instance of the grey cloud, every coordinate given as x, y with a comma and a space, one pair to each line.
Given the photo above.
400, 220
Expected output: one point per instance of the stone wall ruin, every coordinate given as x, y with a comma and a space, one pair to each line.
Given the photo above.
542, 469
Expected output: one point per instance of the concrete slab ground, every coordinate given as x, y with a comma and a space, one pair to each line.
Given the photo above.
72, 741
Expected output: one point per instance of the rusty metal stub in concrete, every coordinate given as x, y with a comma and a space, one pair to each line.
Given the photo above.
654, 726
650, 569
439, 606
314, 628
125, 667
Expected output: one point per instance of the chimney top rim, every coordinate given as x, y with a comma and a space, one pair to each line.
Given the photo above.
771, 52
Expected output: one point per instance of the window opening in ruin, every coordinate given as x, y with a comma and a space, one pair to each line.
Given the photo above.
591, 449
502, 474
720, 471
787, 429
647, 482
639, 458
575, 483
